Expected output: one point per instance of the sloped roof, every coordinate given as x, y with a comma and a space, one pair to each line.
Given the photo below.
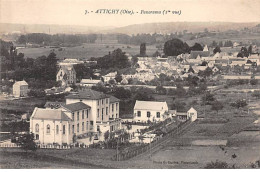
76, 106
89, 81
51, 114
192, 109
113, 99
20, 83
53, 104
88, 94
149, 105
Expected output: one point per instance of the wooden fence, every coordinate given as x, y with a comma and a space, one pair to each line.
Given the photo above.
42, 146
155, 143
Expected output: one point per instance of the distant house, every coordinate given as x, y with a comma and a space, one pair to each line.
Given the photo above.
70, 62
236, 77
109, 76
124, 81
89, 82
191, 114
150, 111
20, 89
67, 75
205, 48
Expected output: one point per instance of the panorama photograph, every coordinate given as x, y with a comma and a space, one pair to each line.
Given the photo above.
134, 84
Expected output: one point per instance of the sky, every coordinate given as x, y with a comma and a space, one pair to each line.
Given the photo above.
72, 12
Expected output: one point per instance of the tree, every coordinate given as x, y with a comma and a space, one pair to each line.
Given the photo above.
253, 82
217, 49
217, 106
214, 44
250, 49
204, 63
26, 141
156, 54
134, 61
175, 47
143, 50
22, 39
118, 78
106, 135
112, 81
179, 106
239, 103
196, 47
208, 98
161, 90
122, 93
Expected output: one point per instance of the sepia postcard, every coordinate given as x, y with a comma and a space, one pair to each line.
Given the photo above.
129, 84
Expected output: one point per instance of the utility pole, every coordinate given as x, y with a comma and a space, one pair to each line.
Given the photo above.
150, 146
117, 150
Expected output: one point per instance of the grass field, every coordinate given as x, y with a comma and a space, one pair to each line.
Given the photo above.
85, 51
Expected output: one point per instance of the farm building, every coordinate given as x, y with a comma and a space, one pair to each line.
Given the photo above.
20, 89
150, 111
89, 82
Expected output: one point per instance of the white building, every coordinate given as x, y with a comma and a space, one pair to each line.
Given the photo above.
67, 75
51, 126
104, 108
89, 82
191, 114
111, 75
86, 112
150, 110
20, 89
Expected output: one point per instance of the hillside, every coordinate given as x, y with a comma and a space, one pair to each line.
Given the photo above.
170, 27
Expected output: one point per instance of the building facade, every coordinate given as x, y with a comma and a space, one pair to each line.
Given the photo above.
20, 89
67, 75
150, 111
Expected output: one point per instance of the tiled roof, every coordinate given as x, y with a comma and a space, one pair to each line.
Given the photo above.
54, 105
89, 81
51, 114
21, 83
113, 99
149, 105
76, 106
88, 94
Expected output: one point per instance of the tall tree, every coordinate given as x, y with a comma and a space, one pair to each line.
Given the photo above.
196, 47
26, 141
175, 47
217, 49
143, 50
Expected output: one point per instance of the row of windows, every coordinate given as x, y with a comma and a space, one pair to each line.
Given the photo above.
83, 115
102, 111
48, 129
113, 107
102, 101
82, 126
148, 114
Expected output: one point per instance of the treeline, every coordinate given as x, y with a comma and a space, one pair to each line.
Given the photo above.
77, 39
57, 39
227, 43
39, 72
